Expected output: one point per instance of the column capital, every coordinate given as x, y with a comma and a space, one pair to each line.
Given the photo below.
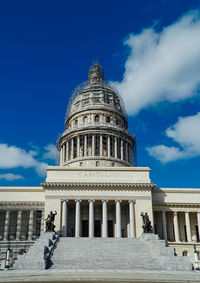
62, 200
118, 200
91, 200
104, 200
133, 201
78, 200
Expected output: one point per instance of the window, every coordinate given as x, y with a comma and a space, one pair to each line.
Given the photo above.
108, 119
76, 123
97, 163
113, 164
81, 164
96, 118
85, 120
184, 253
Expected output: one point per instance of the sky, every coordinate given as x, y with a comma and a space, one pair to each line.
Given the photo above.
150, 51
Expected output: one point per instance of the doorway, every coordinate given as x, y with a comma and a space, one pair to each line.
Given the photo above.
97, 228
84, 228
110, 228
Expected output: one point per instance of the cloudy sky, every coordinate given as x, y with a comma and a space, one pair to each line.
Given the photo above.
150, 50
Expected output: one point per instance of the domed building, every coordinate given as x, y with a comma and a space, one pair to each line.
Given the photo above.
96, 125
99, 192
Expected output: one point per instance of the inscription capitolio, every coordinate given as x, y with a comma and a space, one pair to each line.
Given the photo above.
98, 174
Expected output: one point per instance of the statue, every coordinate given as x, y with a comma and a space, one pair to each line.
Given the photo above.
50, 222
147, 228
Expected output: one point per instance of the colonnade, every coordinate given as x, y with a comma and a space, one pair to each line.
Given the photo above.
177, 227
96, 145
16, 227
104, 218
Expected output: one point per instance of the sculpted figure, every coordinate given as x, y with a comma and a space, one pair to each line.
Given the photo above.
50, 222
147, 228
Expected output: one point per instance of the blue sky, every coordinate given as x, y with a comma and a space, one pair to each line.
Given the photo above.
149, 49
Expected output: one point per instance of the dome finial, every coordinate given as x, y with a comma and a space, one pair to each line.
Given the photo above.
96, 73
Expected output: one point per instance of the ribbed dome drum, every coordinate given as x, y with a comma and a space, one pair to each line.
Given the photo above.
96, 126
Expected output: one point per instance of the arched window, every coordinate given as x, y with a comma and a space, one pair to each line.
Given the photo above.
96, 118
97, 163
117, 122
81, 164
76, 123
85, 120
185, 253
108, 119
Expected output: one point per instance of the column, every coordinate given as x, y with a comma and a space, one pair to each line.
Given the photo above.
85, 145
164, 225
115, 147
30, 225
64, 153
78, 146
176, 228
42, 223
118, 219
122, 152
108, 145
132, 219
78, 218
67, 149
6, 225
72, 148
126, 152
91, 218
19, 223
188, 226
61, 156
64, 218
93, 146
198, 222
104, 219
101, 145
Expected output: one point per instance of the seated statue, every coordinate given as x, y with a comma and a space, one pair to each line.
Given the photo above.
49, 225
147, 228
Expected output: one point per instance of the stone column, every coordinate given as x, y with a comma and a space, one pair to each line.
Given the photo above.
64, 218
101, 145
67, 150
42, 223
91, 218
19, 224
132, 218
108, 145
104, 219
122, 152
78, 218
78, 146
176, 228
64, 153
198, 222
72, 148
115, 147
61, 156
93, 146
6, 225
118, 219
188, 226
164, 225
30, 225
85, 145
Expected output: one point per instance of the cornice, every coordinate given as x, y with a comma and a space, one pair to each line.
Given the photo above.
176, 204
23, 205
78, 185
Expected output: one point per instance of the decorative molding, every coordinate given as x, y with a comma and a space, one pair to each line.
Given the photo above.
21, 205
175, 204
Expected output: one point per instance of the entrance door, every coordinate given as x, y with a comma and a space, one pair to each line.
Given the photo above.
110, 228
84, 228
97, 228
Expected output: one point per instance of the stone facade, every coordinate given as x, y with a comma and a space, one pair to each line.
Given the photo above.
97, 190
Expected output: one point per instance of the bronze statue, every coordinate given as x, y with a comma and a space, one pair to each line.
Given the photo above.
147, 228
50, 221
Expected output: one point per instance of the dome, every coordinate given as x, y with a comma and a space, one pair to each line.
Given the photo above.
96, 126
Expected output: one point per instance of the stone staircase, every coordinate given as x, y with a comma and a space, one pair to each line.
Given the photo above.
146, 252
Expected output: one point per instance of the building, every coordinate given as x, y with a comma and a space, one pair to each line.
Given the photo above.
97, 190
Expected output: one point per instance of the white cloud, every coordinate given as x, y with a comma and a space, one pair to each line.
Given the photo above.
11, 177
162, 66
50, 152
186, 133
13, 157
